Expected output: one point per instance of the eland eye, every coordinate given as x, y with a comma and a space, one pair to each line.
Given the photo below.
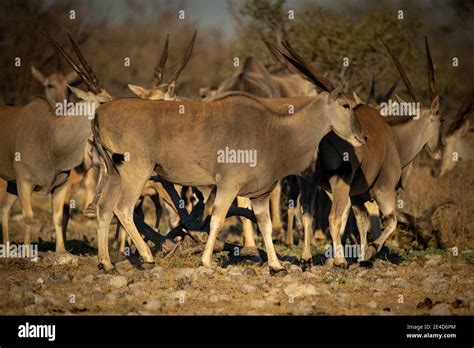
346, 106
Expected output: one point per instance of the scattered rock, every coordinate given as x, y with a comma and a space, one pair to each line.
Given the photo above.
152, 305
180, 296
40, 281
300, 290
115, 282
248, 289
62, 276
257, 304
56, 259
205, 272
249, 272
213, 298
295, 269
372, 305
427, 303
185, 276
433, 260
88, 278
435, 284
441, 309
302, 308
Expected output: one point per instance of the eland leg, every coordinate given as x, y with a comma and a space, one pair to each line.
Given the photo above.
386, 201
247, 226
224, 198
275, 210
338, 217
261, 208
109, 194
308, 192
25, 190
58, 196
363, 223
7, 206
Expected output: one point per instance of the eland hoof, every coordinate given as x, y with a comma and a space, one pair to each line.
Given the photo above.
107, 269
306, 265
278, 272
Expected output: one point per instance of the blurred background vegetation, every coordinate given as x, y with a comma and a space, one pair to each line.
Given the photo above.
325, 32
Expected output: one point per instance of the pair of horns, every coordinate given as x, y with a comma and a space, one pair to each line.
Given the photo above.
431, 80
158, 75
83, 69
293, 58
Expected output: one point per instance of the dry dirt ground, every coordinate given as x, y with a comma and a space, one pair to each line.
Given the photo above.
402, 281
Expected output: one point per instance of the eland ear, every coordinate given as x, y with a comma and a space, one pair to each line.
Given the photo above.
171, 89
461, 131
139, 91
336, 92
435, 106
79, 93
38, 75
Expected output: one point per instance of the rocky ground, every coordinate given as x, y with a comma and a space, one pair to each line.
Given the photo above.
407, 280
56, 284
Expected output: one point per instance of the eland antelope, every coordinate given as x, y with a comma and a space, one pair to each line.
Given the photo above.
372, 171
55, 85
458, 139
183, 148
252, 77
40, 148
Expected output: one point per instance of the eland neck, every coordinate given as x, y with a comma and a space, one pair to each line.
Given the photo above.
410, 137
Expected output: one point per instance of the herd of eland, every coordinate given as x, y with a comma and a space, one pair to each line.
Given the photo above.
304, 131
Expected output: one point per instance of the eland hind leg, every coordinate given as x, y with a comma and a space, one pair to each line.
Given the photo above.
109, 195
386, 199
133, 177
225, 195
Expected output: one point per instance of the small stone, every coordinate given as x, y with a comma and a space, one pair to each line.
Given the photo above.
185, 276
61, 259
249, 272
433, 260
427, 303
372, 305
441, 309
295, 269
116, 282
88, 278
152, 305
213, 298
62, 276
40, 281
300, 290
180, 295
257, 304
205, 272
248, 288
